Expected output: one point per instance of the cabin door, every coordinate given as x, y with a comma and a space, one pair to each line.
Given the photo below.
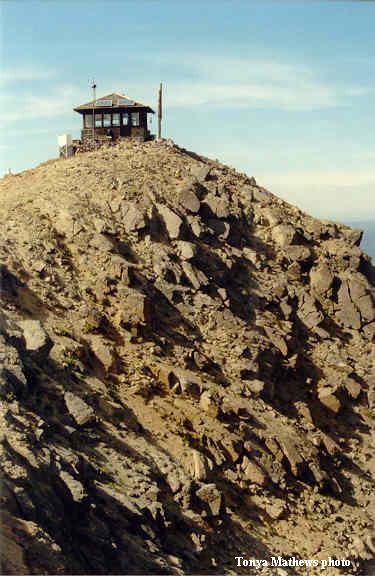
125, 124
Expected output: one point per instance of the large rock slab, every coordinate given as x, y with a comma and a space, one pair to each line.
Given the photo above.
262, 195
186, 250
347, 314
218, 205
199, 466
283, 235
352, 235
196, 277
273, 215
37, 341
308, 312
104, 352
328, 398
102, 243
361, 298
173, 223
189, 200
67, 224
321, 279
253, 473
135, 308
209, 404
201, 172
74, 487
210, 495
134, 218
81, 412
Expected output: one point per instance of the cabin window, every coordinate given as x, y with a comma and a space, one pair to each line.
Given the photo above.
116, 119
135, 118
125, 119
106, 120
98, 120
88, 120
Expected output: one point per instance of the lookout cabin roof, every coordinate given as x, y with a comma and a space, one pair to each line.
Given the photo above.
112, 102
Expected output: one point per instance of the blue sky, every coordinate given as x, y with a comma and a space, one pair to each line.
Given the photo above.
282, 90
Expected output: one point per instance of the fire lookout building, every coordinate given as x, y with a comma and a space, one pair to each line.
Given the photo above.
114, 117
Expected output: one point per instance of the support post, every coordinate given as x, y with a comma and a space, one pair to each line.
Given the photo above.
160, 106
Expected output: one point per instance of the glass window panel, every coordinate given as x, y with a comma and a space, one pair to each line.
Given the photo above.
98, 120
116, 119
125, 102
104, 102
88, 120
135, 118
106, 120
125, 119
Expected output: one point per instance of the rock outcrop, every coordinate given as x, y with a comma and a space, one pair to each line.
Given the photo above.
187, 371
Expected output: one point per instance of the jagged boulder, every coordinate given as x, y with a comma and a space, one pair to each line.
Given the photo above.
361, 298
37, 341
134, 218
199, 466
12, 375
276, 509
189, 200
209, 404
135, 308
103, 351
321, 279
210, 495
218, 205
80, 411
74, 487
328, 397
352, 236
172, 221
186, 250
283, 235
68, 224
200, 172
101, 243
273, 215
347, 314
196, 277
261, 195
299, 253
308, 311
291, 452
253, 472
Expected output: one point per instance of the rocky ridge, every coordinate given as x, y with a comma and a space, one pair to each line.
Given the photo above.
187, 371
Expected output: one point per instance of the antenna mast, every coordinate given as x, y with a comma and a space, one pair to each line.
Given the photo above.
93, 86
160, 113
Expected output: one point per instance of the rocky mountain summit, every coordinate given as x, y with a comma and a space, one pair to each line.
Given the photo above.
187, 372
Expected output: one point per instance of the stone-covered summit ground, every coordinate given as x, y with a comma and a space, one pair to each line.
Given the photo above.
187, 371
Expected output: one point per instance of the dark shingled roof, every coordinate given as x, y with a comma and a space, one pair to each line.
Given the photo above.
115, 103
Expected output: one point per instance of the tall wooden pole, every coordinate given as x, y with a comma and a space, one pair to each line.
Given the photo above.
93, 86
160, 108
